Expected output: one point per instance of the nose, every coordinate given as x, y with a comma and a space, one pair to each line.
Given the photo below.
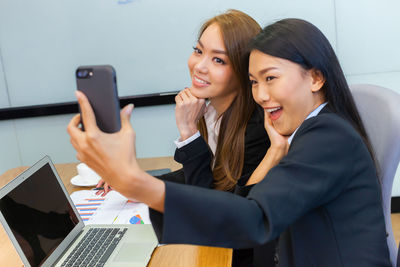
261, 94
201, 65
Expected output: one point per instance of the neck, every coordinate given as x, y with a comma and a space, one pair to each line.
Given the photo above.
222, 103
318, 100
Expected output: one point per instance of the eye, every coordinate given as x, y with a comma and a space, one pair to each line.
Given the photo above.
197, 50
253, 82
219, 61
270, 78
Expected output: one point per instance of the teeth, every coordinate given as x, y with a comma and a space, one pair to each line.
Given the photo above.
272, 109
200, 81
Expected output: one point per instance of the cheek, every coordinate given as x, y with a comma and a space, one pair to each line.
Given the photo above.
254, 92
191, 63
224, 77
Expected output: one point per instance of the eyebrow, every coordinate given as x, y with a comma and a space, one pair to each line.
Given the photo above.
261, 72
214, 50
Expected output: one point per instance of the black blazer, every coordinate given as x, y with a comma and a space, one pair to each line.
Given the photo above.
323, 201
196, 158
199, 172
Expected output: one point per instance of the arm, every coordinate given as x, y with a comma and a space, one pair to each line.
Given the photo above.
277, 150
175, 176
256, 142
194, 156
305, 179
196, 159
113, 156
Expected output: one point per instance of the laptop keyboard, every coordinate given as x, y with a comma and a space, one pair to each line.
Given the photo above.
95, 247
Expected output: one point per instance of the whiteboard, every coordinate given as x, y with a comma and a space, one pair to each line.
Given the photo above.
147, 41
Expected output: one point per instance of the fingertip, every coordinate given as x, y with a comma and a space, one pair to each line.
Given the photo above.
78, 94
129, 109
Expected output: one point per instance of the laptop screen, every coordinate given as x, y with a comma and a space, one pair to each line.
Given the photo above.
38, 214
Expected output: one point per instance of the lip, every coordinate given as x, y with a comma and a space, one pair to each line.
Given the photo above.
266, 108
275, 114
196, 83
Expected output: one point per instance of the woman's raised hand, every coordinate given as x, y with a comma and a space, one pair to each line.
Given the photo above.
189, 109
110, 155
113, 156
278, 141
278, 149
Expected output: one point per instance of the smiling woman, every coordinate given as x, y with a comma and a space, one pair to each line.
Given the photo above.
279, 84
231, 122
316, 191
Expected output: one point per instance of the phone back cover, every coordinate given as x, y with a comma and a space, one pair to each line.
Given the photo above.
101, 90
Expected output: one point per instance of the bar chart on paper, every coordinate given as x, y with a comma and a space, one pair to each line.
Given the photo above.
110, 209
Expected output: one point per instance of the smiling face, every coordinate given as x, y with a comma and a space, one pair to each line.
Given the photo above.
285, 90
211, 71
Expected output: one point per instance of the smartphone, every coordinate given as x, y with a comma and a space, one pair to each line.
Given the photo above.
99, 84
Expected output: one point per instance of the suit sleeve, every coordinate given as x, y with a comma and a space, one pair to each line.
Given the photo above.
196, 158
176, 176
315, 171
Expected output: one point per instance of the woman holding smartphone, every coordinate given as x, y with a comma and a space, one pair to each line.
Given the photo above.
316, 188
229, 122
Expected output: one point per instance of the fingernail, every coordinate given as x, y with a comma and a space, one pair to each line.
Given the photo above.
129, 109
78, 94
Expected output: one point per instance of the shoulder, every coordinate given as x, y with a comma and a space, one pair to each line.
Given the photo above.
327, 127
328, 137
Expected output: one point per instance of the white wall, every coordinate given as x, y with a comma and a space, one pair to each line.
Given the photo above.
364, 33
25, 141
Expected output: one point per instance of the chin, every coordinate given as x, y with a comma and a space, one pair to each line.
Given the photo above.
283, 132
199, 93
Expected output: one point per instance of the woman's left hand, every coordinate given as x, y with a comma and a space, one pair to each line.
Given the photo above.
278, 141
278, 149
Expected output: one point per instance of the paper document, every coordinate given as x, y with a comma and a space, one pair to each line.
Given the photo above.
114, 208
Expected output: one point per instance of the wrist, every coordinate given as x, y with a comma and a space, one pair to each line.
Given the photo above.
144, 188
276, 154
188, 132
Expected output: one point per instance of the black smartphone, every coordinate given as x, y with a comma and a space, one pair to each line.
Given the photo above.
99, 84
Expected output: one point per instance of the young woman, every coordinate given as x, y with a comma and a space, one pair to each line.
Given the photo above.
316, 188
218, 69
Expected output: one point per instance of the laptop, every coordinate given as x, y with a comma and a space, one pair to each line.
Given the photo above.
46, 229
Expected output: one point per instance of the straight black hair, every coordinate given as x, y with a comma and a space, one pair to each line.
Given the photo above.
301, 42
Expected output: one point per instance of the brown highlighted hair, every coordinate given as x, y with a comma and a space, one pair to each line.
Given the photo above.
237, 30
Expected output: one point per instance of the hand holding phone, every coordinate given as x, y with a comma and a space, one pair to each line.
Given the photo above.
99, 84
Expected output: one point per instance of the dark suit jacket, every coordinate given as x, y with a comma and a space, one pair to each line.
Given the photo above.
196, 160
323, 201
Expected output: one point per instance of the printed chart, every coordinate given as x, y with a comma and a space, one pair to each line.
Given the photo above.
111, 209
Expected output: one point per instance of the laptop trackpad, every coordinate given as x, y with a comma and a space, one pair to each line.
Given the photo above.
131, 252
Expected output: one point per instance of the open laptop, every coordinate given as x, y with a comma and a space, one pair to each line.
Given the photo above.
46, 229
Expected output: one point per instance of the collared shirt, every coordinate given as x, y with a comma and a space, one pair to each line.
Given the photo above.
312, 114
213, 124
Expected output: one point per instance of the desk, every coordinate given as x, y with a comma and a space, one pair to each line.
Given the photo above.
168, 255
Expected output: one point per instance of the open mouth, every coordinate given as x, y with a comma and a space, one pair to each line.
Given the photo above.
274, 113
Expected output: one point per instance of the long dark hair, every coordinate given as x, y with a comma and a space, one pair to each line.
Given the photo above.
237, 30
301, 42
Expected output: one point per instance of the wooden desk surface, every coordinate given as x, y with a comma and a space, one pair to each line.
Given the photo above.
168, 255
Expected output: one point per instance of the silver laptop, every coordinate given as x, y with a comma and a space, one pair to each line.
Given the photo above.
46, 229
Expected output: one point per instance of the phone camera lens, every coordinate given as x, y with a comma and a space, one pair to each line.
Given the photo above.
82, 73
